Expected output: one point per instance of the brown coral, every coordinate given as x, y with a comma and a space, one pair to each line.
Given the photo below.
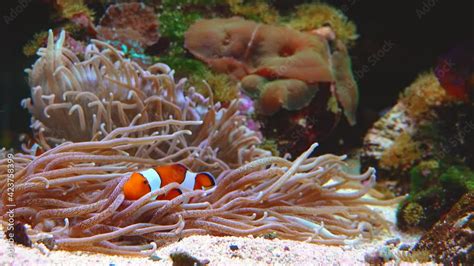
126, 22
424, 95
389, 143
241, 48
402, 155
451, 239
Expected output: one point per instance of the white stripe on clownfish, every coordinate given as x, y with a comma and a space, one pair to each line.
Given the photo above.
153, 178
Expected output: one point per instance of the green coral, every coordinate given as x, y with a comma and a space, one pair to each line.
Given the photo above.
458, 178
435, 187
176, 59
333, 106
315, 15
223, 88
71, 8
258, 10
33, 45
174, 23
270, 145
424, 175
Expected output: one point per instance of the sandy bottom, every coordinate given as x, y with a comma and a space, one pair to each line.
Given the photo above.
251, 251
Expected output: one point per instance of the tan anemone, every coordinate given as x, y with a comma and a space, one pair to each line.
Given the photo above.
84, 100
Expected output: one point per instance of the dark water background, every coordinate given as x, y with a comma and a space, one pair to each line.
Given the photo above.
398, 40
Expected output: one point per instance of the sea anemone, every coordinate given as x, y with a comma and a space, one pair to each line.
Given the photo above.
74, 100
72, 195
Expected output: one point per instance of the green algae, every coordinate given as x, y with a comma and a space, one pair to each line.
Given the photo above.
434, 188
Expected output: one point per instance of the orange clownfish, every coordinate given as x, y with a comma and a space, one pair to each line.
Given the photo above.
31, 144
36, 150
141, 183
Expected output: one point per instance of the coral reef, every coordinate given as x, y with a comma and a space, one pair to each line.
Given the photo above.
129, 23
309, 17
219, 87
75, 10
40, 39
434, 188
104, 117
422, 144
402, 154
392, 143
414, 256
450, 240
279, 66
75, 100
258, 10
294, 131
423, 96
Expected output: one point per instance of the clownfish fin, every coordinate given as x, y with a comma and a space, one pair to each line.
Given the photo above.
173, 194
204, 181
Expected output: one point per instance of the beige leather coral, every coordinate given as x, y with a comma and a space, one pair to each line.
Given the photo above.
279, 66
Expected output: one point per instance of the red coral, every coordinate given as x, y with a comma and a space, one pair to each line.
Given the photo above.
129, 22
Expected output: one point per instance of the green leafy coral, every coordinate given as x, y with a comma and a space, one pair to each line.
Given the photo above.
184, 66
173, 24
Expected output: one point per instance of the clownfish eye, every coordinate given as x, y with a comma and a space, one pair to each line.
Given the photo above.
145, 182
